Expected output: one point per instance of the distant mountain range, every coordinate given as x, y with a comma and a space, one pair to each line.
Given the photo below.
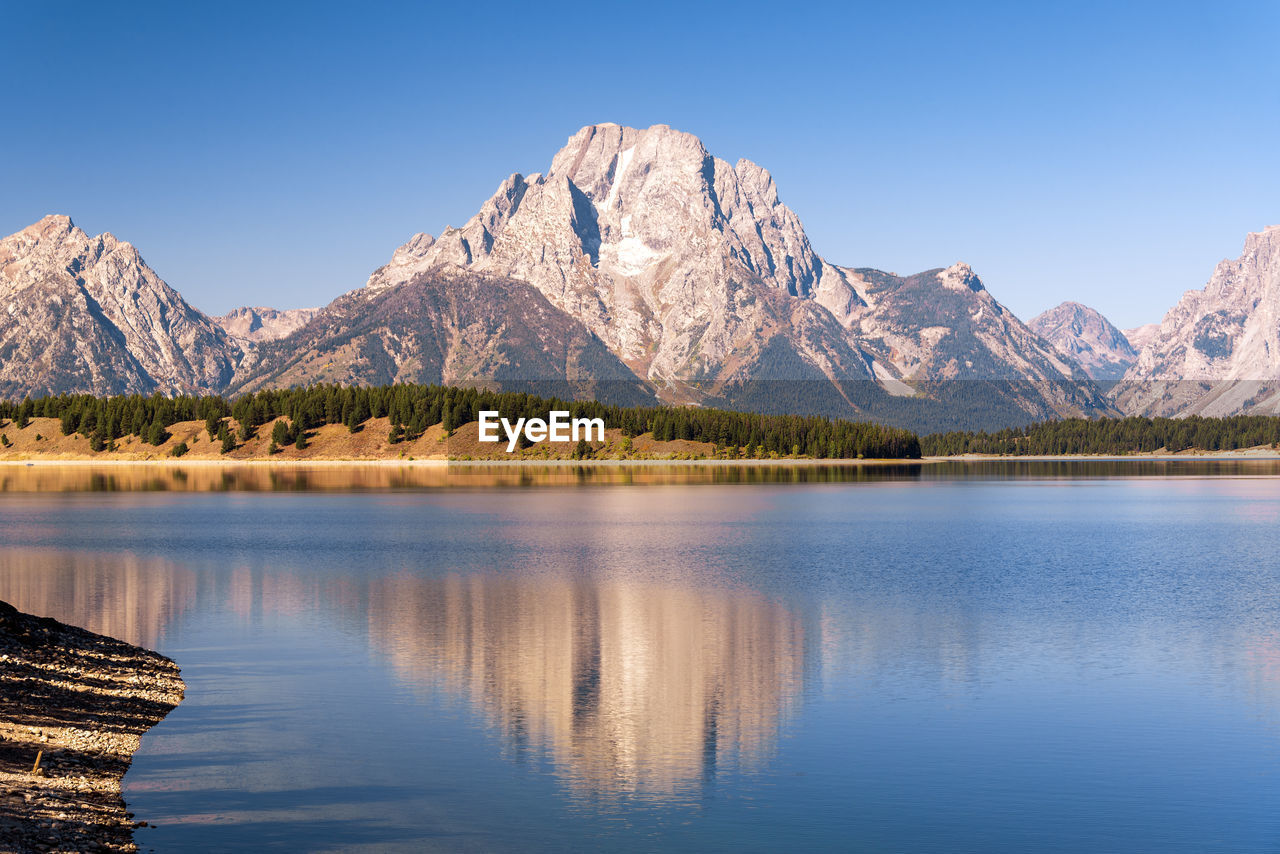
640, 268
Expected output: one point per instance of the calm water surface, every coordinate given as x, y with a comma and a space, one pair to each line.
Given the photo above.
963, 659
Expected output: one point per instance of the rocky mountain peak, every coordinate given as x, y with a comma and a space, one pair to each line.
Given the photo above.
50, 236
87, 314
645, 237
49, 226
625, 200
1261, 248
756, 181
696, 274
960, 277
1083, 334
1218, 350
415, 248
1140, 336
257, 324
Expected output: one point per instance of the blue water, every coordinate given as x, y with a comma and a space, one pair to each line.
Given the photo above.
964, 664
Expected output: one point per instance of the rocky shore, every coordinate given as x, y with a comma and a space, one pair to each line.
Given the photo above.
79, 702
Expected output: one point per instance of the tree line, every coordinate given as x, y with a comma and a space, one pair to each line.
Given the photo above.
412, 409
1112, 436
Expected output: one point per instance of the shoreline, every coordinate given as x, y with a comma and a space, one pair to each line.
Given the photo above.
43, 461
443, 464
1261, 454
81, 702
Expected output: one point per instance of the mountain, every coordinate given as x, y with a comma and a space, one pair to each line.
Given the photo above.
447, 327
86, 314
639, 267
1217, 351
943, 333
706, 286
675, 259
1140, 336
1083, 334
253, 325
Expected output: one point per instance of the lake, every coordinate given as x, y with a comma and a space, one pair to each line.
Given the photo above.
936, 658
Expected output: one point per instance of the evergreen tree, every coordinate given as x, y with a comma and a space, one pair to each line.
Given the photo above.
226, 437
280, 434
352, 422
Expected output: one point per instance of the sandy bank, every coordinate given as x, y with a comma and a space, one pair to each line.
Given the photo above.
84, 700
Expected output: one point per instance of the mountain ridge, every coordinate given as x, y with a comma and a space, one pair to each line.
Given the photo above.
86, 314
640, 262
688, 267
1217, 350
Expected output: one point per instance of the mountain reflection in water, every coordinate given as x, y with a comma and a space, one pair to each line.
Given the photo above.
119, 595
990, 661
626, 687
359, 477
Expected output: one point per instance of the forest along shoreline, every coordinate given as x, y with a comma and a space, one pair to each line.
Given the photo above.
411, 423
40, 440
77, 702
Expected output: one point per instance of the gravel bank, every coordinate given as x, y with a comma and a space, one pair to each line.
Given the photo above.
84, 700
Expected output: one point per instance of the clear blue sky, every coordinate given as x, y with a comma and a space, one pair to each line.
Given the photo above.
276, 153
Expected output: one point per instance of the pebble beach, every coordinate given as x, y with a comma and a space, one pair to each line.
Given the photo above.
76, 703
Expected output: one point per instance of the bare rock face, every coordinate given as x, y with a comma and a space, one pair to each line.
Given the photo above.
1083, 334
86, 314
1140, 336
703, 282
1217, 352
451, 327
253, 325
665, 252
943, 333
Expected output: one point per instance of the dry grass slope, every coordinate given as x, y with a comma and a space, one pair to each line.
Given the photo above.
42, 439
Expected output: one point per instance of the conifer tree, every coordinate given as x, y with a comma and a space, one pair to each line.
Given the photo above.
227, 439
280, 434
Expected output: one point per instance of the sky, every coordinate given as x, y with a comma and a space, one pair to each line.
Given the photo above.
275, 154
